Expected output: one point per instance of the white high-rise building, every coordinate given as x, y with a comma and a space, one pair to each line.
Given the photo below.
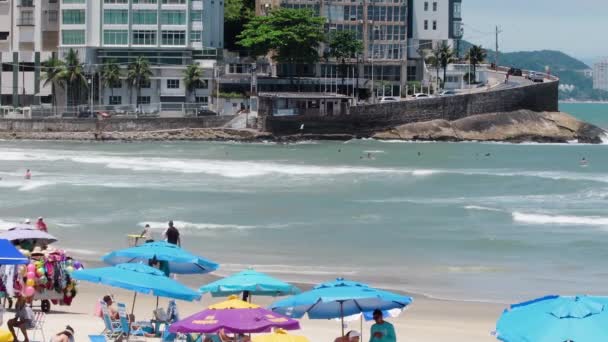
170, 34
28, 36
600, 75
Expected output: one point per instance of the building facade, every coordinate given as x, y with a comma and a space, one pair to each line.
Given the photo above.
600, 75
28, 36
170, 34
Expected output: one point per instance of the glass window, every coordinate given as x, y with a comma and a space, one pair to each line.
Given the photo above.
115, 1
73, 1
72, 37
426, 6
114, 16
173, 38
142, 37
196, 36
174, 2
73, 16
457, 9
145, 17
52, 15
203, 100
145, 84
144, 1
143, 100
435, 6
115, 37
172, 84
115, 100
435, 25
196, 16
202, 84
426, 24
173, 17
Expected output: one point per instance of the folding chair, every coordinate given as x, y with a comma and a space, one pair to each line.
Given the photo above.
126, 326
37, 325
112, 328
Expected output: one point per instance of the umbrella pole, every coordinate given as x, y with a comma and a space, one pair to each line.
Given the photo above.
156, 302
362, 326
133, 306
342, 316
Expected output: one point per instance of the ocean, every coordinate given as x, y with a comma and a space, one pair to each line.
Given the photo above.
465, 221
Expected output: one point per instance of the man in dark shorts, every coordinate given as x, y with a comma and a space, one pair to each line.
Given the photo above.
24, 319
172, 235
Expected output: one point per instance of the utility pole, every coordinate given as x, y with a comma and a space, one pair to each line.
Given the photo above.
498, 31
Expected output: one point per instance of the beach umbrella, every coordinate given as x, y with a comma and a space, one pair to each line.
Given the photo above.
249, 282
28, 232
339, 299
233, 316
279, 335
139, 278
555, 319
180, 261
9, 255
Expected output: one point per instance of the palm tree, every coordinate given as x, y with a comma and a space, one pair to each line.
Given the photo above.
73, 75
434, 60
447, 57
475, 56
192, 78
139, 72
110, 75
53, 68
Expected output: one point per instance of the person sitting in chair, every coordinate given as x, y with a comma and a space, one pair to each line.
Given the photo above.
24, 319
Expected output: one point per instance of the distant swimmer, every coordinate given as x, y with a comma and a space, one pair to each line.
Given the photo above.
370, 156
419, 154
339, 150
488, 154
584, 162
28, 174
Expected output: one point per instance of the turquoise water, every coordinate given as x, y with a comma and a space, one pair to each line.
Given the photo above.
595, 113
526, 220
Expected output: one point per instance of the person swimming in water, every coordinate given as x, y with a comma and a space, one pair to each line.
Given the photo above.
583, 162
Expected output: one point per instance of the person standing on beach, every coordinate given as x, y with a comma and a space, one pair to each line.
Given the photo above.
172, 235
382, 331
28, 174
41, 225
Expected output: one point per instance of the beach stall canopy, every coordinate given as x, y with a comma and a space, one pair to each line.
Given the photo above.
9, 255
180, 261
139, 278
234, 316
555, 318
251, 282
27, 232
279, 335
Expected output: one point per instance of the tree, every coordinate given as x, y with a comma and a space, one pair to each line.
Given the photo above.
475, 55
292, 34
53, 68
343, 45
110, 75
72, 73
446, 57
434, 60
237, 14
138, 73
192, 78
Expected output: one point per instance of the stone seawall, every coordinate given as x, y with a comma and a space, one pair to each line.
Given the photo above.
365, 120
111, 125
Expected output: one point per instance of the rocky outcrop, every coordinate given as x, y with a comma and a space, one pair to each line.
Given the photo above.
518, 126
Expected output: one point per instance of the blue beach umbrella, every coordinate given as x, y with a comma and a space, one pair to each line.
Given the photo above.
180, 261
555, 319
339, 299
9, 255
250, 282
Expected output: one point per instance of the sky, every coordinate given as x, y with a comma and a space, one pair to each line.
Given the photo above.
576, 27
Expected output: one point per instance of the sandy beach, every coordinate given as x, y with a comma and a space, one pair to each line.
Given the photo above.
425, 320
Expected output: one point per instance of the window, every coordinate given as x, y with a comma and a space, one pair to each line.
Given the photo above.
72, 37
73, 1
172, 84
114, 16
202, 84
115, 1
203, 100
116, 85
142, 37
115, 100
73, 17
196, 36
144, 1
145, 84
173, 37
426, 6
52, 16
26, 18
411, 73
426, 24
457, 9
145, 17
116, 37
143, 100
238, 68
4, 35
434, 25
173, 17
174, 2
196, 16
435, 6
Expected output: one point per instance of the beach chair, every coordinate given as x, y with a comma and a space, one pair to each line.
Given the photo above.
36, 326
125, 326
97, 338
112, 329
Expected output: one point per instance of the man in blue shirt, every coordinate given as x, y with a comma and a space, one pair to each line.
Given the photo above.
382, 331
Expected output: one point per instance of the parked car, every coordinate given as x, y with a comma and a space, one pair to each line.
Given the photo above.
535, 77
515, 72
421, 96
204, 111
448, 93
386, 99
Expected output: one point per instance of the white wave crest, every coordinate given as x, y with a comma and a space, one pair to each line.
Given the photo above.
559, 219
290, 270
206, 226
481, 208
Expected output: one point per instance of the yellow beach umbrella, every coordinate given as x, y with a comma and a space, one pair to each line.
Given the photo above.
5, 336
233, 302
279, 335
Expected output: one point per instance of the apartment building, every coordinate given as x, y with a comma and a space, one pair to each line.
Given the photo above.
28, 36
170, 34
600, 75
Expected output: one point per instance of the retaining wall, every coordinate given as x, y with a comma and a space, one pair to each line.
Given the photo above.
367, 119
113, 124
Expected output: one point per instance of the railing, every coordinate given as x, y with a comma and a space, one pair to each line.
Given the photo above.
25, 22
164, 109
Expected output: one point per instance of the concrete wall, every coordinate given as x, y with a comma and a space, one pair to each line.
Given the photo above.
364, 120
114, 124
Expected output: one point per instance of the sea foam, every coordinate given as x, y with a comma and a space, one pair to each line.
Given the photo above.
559, 219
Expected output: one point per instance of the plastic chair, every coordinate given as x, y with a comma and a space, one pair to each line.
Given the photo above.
125, 326
112, 328
97, 338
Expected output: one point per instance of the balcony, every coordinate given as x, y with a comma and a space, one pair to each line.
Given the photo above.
25, 3
25, 22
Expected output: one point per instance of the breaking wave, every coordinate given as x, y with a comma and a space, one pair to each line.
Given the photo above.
559, 219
